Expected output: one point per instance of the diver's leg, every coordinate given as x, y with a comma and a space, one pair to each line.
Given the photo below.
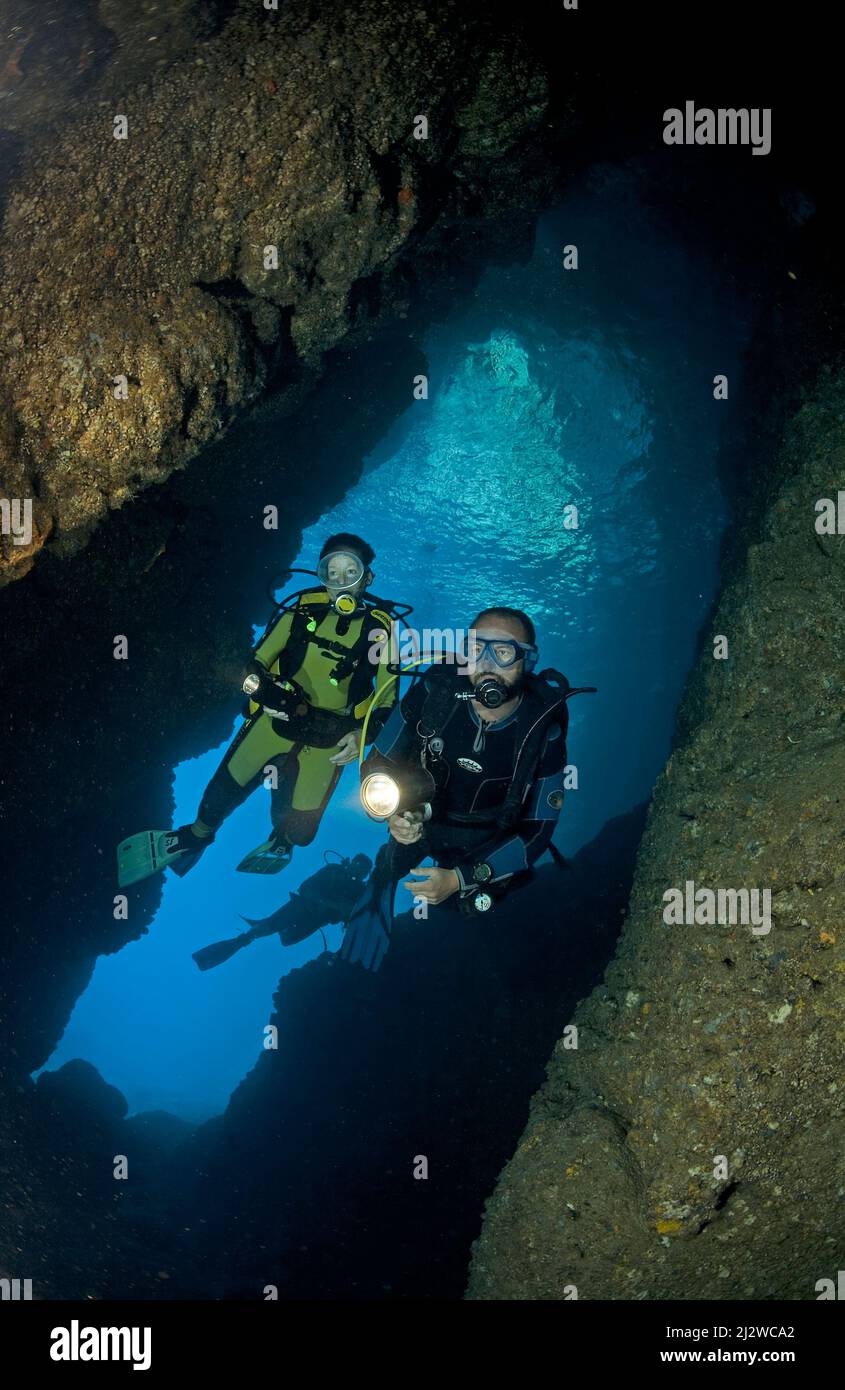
274, 854
139, 856
298, 803
239, 773
298, 807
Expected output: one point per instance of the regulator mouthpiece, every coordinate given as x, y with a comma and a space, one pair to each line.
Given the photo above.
344, 604
491, 693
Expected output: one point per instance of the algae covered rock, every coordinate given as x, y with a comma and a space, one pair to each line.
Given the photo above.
691, 1146
183, 235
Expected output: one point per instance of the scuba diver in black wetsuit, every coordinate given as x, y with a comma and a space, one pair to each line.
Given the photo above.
469, 771
327, 896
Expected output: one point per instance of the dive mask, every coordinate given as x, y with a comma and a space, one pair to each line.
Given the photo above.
504, 651
341, 573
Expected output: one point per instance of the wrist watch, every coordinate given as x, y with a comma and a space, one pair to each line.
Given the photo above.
482, 873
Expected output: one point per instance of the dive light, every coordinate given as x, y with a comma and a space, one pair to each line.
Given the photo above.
383, 794
270, 691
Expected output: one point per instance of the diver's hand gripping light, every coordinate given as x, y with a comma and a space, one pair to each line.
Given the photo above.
272, 693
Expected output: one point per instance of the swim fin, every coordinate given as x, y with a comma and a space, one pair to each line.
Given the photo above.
270, 858
369, 925
147, 853
366, 940
210, 956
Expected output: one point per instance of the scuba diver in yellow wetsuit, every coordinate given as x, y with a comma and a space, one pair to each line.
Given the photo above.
310, 684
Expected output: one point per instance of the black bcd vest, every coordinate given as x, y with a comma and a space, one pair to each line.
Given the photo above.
543, 705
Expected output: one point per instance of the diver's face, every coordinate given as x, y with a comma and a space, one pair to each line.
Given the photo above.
344, 572
489, 631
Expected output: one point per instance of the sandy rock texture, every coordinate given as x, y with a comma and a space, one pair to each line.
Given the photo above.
708, 1041
142, 310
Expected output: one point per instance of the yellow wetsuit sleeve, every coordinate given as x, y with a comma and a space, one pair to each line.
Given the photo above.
275, 642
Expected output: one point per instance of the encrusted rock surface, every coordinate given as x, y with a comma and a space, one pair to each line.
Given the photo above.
708, 1041
144, 258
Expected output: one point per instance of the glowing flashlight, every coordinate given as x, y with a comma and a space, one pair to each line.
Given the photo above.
382, 794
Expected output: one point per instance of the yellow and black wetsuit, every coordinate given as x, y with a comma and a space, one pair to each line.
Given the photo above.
327, 658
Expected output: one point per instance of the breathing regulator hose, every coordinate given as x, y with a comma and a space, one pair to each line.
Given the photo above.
423, 661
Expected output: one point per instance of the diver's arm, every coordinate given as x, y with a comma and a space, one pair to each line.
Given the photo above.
264, 657
269, 926
274, 642
519, 849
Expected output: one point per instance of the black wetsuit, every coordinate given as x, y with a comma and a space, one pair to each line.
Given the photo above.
474, 771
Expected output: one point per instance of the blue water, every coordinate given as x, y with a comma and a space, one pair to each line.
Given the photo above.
549, 388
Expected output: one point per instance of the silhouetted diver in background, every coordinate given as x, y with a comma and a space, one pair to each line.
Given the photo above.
327, 896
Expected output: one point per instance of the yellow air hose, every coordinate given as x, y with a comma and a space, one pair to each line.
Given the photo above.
423, 661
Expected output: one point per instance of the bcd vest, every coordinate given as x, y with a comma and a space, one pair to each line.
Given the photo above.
543, 705
305, 721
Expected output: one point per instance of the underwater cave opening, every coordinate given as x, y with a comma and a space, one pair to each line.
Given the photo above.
549, 389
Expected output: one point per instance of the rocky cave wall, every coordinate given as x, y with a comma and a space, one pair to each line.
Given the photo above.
144, 257
709, 1041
